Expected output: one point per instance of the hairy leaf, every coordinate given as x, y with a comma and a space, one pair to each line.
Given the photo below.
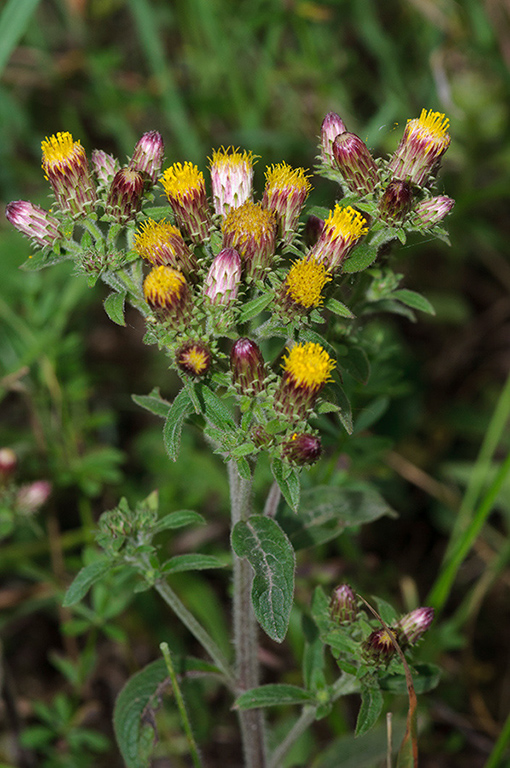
114, 307
273, 695
85, 578
371, 705
180, 409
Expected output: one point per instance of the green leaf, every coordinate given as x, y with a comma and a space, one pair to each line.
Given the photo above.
191, 562
131, 732
362, 257
255, 307
153, 402
313, 656
326, 510
426, 677
414, 300
338, 308
268, 550
178, 519
273, 695
214, 409
42, 259
114, 307
371, 705
14, 20
84, 580
180, 409
288, 482
356, 364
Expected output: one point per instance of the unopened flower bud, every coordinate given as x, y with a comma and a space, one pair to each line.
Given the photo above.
332, 126
343, 606
8, 463
413, 625
395, 202
247, 366
148, 154
302, 449
65, 165
31, 497
34, 222
357, 166
185, 189
342, 231
378, 648
159, 242
285, 193
424, 142
231, 178
167, 293
194, 358
105, 166
307, 367
251, 230
313, 228
224, 276
125, 195
430, 212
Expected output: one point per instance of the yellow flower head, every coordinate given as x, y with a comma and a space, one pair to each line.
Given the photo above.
65, 166
283, 177
424, 142
305, 281
251, 230
285, 193
342, 230
185, 189
159, 242
194, 358
308, 366
166, 291
231, 178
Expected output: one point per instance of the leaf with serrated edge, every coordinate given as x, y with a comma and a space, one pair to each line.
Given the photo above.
268, 550
180, 409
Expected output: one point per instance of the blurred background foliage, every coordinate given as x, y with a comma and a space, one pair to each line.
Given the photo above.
260, 74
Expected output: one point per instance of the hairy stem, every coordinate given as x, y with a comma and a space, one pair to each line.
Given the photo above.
245, 631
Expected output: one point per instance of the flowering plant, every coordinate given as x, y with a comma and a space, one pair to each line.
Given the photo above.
260, 316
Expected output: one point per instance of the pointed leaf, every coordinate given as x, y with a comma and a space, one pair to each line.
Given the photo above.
371, 705
153, 402
191, 562
269, 552
338, 308
84, 580
254, 307
288, 482
361, 258
114, 307
180, 409
214, 409
273, 695
413, 300
178, 520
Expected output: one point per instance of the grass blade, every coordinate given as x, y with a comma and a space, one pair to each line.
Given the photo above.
14, 20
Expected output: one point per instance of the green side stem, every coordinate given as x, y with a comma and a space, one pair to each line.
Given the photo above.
181, 706
198, 631
245, 630
496, 757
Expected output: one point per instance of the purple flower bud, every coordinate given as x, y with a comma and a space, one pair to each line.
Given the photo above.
247, 365
313, 229
224, 276
194, 358
357, 166
423, 144
302, 449
378, 648
396, 200
125, 195
343, 606
148, 156
105, 166
331, 127
430, 212
413, 625
65, 165
31, 497
34, 222
8, 463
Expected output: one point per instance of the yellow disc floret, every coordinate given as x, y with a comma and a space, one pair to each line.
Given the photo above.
346, 223
151, 235
282, 176
308, 365
232, 157
179, 181
249, 220
194, 359
163, 287
431, 125
60, 149
305, 281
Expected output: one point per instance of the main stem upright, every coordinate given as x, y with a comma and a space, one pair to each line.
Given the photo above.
246, 630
